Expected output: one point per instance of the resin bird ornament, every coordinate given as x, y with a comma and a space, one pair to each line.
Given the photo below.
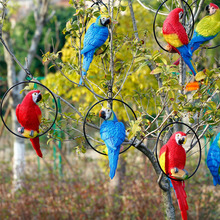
95, 37
175, 35
207, 28
172, 159
213, 160
29, 116
113, 134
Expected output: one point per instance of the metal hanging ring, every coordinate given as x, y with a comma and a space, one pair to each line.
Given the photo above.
155, 17
25, 82
84, 124
200, 149
99, 2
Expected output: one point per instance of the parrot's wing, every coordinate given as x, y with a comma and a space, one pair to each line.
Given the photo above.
94, 38
163, 158
175, 35
213, 160
112, 133
38, 113
17, 112
208, 27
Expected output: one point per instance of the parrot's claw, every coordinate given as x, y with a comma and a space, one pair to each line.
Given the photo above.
21, 130
179, 173
176, 170
32, 133
187, 173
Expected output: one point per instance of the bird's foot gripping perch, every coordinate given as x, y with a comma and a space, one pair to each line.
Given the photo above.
180, 174
27, 133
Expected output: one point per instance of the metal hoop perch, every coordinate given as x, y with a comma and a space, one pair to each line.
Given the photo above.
155, 17
85, 120
200, 149
25, 82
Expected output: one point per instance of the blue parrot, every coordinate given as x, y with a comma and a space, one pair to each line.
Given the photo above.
207, 28
113, 134
213, 160
95, 37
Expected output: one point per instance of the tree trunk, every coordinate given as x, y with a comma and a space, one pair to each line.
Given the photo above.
19, 146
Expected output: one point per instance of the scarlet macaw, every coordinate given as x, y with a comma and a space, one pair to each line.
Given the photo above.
29, 116
172, 159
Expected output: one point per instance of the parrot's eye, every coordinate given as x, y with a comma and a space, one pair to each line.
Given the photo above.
180, 15
35, 93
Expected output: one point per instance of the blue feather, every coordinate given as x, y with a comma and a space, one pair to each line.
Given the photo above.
186, 54
213, 160
198, 40
113, 134
95, 37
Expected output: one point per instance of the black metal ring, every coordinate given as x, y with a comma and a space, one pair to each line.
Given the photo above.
24, 82
84, 124
211, 47
99, 2
200, 149
155, 37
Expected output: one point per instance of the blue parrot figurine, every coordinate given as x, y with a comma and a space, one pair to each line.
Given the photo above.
207, 28
113, 134
95, 37
213, 160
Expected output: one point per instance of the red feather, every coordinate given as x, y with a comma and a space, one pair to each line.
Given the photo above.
181, 197
172, 26
175, 157
36, 146
28, 114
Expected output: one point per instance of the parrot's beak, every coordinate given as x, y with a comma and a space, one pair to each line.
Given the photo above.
102, 114
182, 140
39, 97
207, 8
107, 21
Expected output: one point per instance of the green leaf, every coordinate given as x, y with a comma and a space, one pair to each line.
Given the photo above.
46, 96
191, 120
200, 76
156, 71
135, 128
27, 88
123, 8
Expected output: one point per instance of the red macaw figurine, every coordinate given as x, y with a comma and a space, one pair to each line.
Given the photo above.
29, 116
172, 160
175, 35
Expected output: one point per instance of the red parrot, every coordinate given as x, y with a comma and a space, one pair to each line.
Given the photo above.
29, 116
175, 35
172, 160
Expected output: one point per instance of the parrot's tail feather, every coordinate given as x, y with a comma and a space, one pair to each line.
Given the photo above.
191, 65
88, 57
177, 62
36, 145
113, 161
181, 197
80, 81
